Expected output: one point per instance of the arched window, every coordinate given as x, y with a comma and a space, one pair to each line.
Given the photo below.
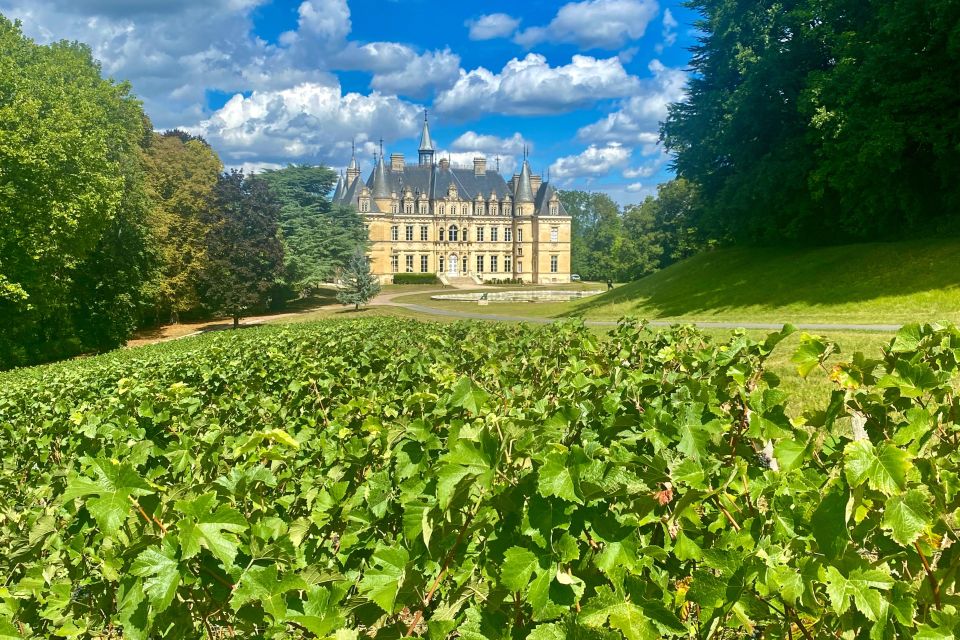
452, 233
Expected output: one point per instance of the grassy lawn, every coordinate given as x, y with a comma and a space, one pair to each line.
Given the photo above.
885, 283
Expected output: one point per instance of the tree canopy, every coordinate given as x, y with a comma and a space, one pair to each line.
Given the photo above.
822, 120
244, 252
73, 249
319, 236
182, 172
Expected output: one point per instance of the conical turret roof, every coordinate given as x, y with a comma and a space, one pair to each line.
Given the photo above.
338, 192
380, 187
524, 190
353, 159
426, 142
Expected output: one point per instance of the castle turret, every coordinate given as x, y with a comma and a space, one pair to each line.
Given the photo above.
426, 143
524, 200
353, 169
338, 192
380, 188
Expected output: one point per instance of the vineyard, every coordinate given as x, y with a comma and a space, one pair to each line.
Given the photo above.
390, 478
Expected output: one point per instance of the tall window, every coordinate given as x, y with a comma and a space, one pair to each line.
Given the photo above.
424, 234
423, 264
465, 209
478, 210
452, 233
479, 264
441, 234
394, 233
408, 208
507, 264
493, 233
519, 266
466, 265
465, 234
554, 234
395, 208
441, 210
442, 262
554, 209
493, 208
553, 264
409, 265
423, 209
479, 234
493, 264
409, 233
519, 235
364, 206
394, 263
507, 235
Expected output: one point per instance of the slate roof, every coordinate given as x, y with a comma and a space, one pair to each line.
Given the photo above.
433, 181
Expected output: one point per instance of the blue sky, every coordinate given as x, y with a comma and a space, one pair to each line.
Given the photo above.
268, 82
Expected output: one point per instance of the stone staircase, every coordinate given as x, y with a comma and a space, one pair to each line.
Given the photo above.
459, 281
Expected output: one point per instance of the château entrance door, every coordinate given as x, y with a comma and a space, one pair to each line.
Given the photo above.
452, 265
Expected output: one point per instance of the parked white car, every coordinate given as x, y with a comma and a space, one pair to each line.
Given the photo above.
574, 277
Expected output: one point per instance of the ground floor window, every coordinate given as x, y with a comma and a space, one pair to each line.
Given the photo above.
507, 264
553, 264
479, 264
519, 266
466, 265
409, 260
493, 264
423, 264
441, 264
394, 263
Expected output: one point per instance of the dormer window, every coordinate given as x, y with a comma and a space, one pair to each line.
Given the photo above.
364, 206
554, 209
408, 208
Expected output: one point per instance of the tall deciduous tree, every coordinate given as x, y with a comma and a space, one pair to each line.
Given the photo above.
182, 172
244, 252
70, 170
319, 236
358, 284
822, 120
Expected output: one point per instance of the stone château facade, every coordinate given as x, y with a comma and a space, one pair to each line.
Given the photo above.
459, 223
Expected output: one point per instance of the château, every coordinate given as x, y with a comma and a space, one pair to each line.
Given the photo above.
459, 223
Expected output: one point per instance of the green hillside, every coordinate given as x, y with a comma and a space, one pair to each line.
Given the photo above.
865, 283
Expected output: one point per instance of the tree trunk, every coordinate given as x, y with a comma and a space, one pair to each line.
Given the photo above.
236, 322
356, 306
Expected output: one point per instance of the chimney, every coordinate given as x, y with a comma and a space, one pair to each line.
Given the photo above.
396, 162
535, 183
513, 182
444, 163
479, 166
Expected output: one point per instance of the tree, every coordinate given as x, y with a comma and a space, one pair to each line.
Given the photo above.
359, 285
244, 252
182, 172
320, 237
70, 182
818, 121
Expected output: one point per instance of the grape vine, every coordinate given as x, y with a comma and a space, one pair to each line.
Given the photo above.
388, 478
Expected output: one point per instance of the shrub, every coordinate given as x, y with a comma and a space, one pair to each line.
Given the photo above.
415, 278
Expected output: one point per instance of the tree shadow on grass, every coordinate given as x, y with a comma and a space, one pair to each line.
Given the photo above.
790, 277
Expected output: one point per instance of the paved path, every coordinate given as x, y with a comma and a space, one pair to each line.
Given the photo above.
387, 300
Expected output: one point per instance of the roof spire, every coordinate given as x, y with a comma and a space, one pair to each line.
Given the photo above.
524, 190
380, 187
426, 142
353, 155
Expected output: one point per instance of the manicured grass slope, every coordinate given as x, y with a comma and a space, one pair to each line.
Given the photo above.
868, 283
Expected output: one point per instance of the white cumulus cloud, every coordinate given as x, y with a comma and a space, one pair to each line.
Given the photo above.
602, 24
306, 123
471, 140
531, 86
669, 31
593, 162
637, 120
420, 73
494, 25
